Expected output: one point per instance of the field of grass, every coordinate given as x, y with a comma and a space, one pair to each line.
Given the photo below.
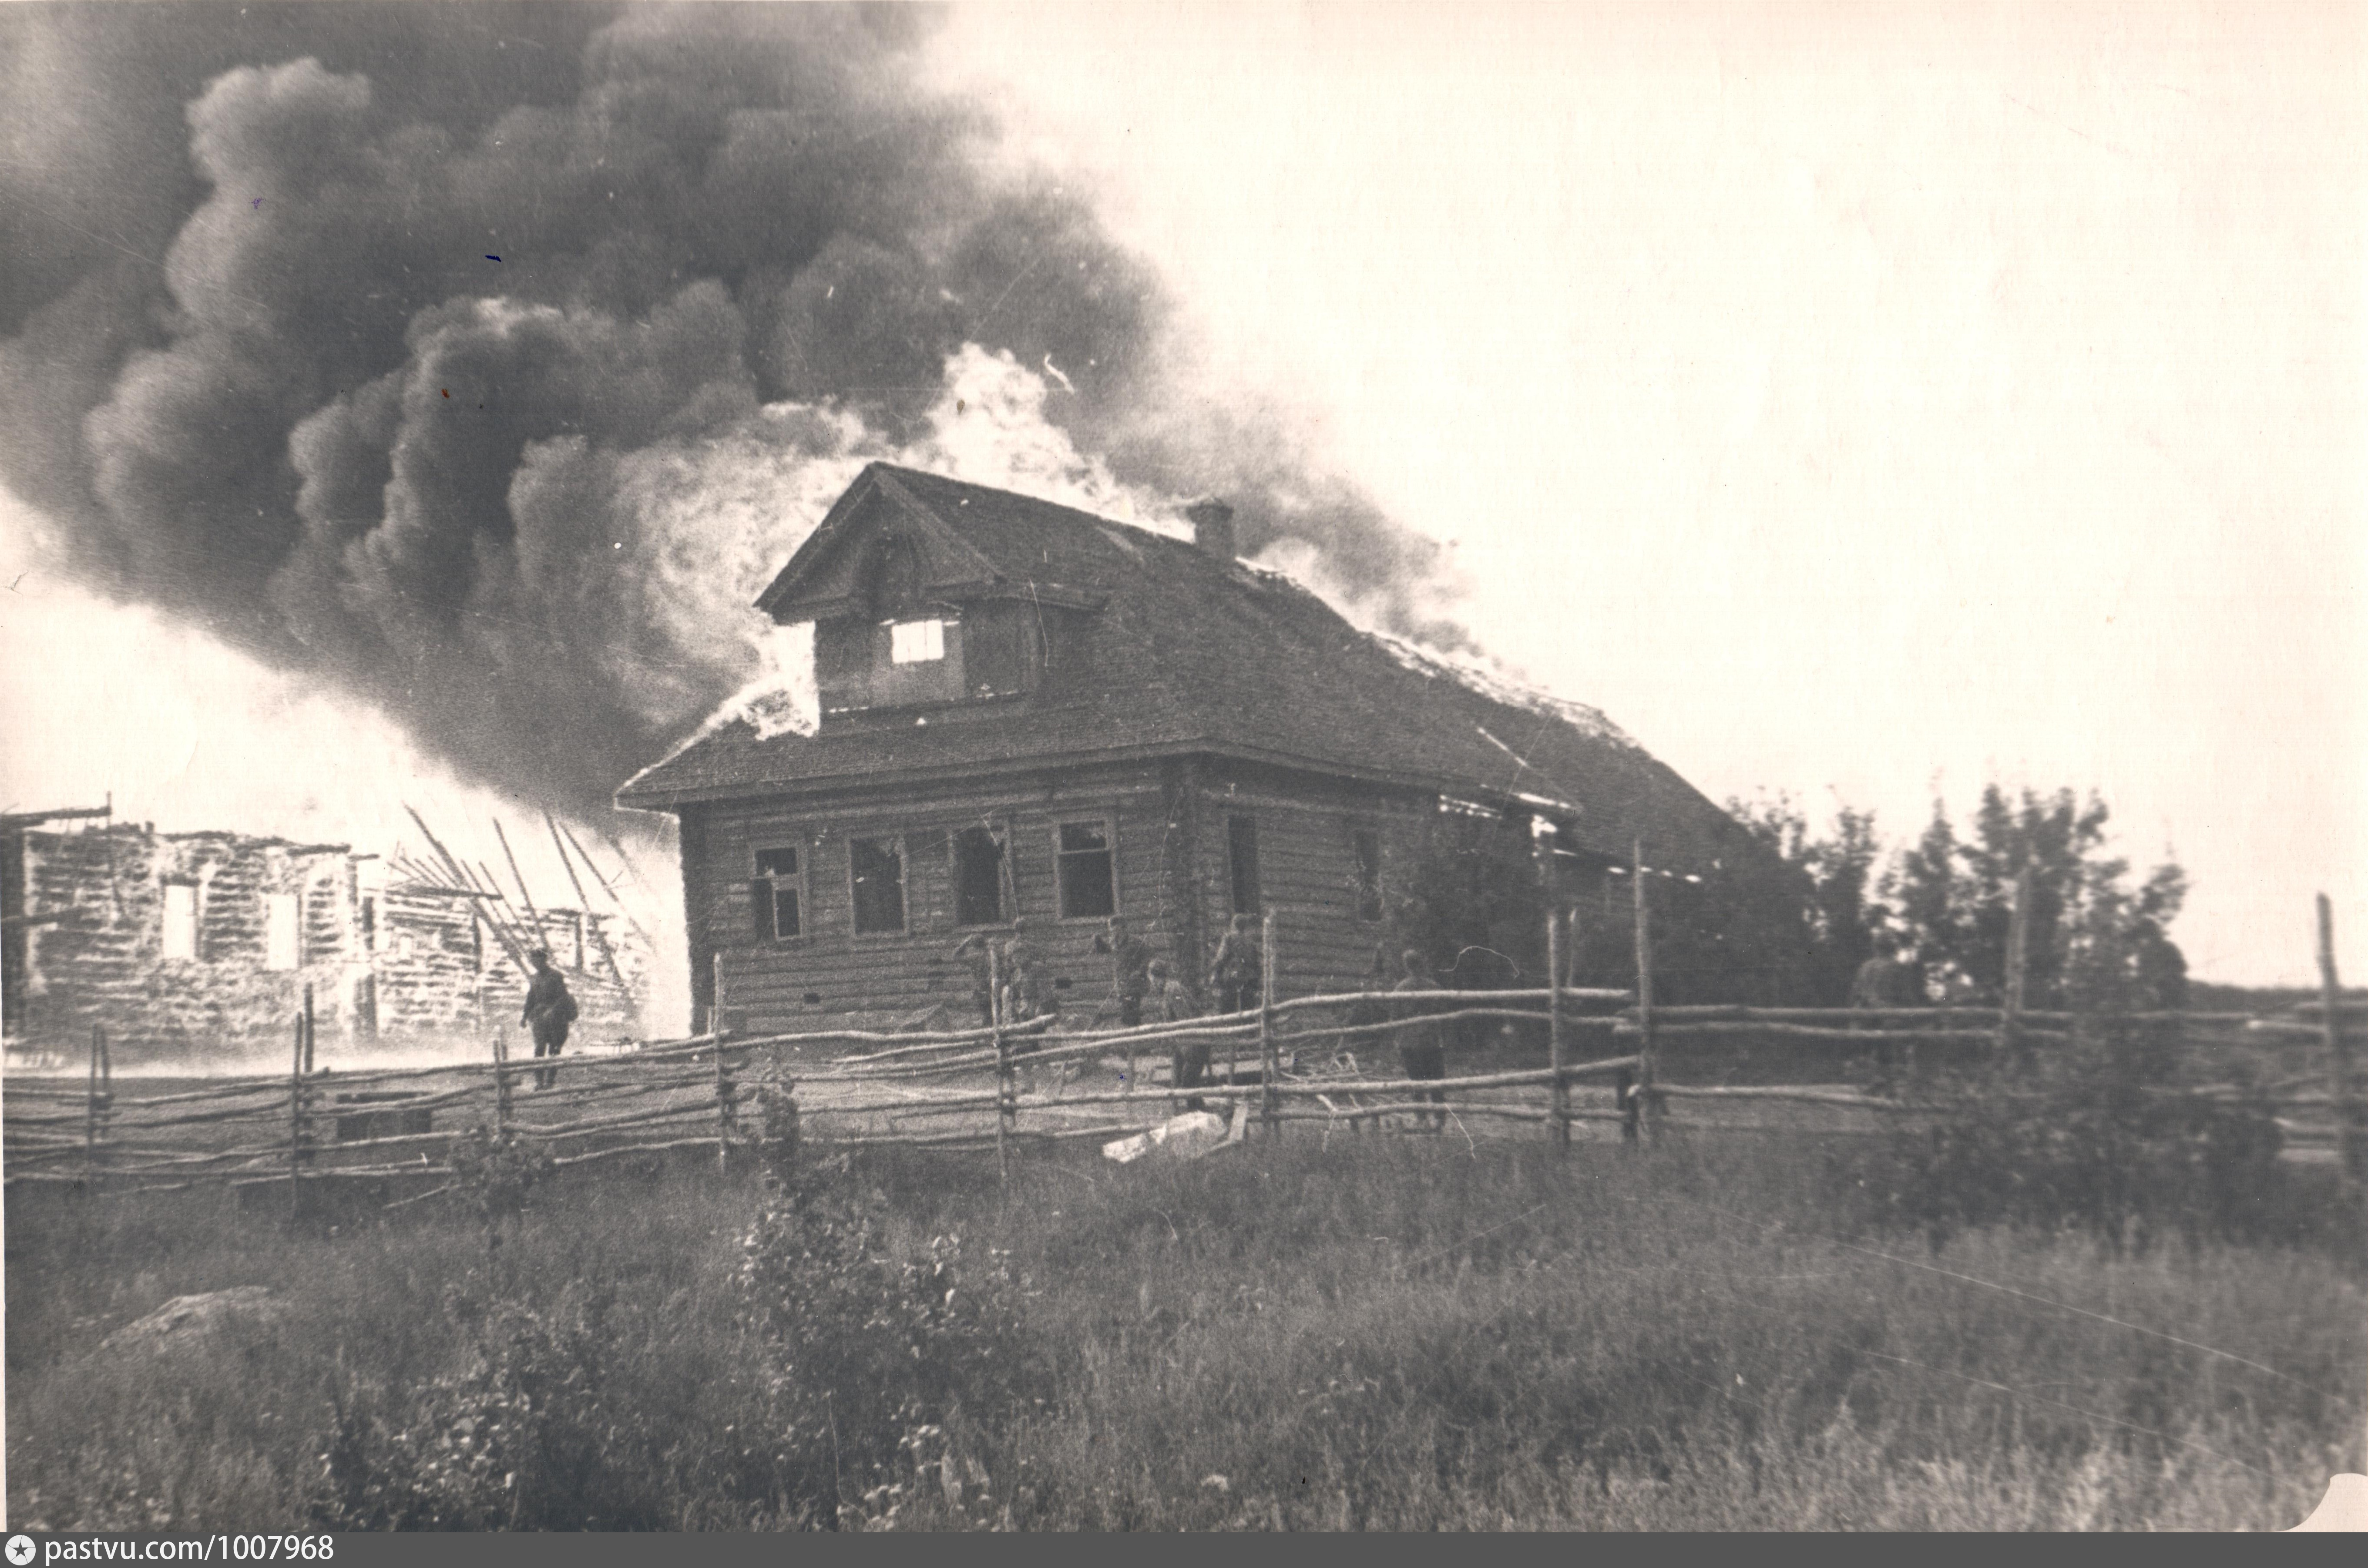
1387, 1333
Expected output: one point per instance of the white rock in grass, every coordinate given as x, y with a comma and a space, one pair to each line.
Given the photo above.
184, 1318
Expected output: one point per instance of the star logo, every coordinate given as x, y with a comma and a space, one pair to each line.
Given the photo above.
21, 1549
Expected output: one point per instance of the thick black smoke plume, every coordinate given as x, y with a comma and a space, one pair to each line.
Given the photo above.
265, 371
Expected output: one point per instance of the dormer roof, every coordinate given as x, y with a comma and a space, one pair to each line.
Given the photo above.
967, 543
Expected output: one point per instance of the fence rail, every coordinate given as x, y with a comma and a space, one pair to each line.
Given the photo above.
1284, 1061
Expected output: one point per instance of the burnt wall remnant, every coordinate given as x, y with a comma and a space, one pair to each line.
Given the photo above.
199, 946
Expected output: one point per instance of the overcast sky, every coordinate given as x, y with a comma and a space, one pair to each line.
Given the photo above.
1849, 401
1853, 402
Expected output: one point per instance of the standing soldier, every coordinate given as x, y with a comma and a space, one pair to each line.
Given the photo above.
1369, 1009
1188, 1063
977, 952
1421, 1055
1239, 971
1023, 975
549, 1010
1130, 969
1884, 982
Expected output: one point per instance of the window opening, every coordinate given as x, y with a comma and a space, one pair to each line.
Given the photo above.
780, 886
1089, 887
978, 877
279, 930
877, 866
180, 920
1368, 846
1241, 843
915, 641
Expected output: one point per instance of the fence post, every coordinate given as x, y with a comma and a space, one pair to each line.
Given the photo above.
1269, 1050
501, 1082
2018, 966
105, 1098
2350, 1135
1646, 1056
1004, 1111
296, 1124
723, 1089
90, 1128
1558, 1129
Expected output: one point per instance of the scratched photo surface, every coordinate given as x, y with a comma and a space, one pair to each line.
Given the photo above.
1317, 767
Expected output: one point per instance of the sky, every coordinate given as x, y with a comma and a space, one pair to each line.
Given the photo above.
1866, 403
1861, 403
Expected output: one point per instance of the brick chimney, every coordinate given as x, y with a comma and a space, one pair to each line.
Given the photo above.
1213, 527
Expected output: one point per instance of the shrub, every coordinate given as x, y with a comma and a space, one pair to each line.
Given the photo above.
521, 1437
497, 1170
2079, 1137
874, 1352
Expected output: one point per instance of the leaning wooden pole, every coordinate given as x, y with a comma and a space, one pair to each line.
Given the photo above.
534, 916
584, 904
614, 897
521, 939
1559, 1128
462, 878
1269, 1049
1646, 1064
308, 1025
2351, 1111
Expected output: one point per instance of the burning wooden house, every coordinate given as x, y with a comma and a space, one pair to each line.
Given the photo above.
195, 946
1029, 711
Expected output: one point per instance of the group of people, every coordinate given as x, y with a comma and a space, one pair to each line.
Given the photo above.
1143, 984
1140, 982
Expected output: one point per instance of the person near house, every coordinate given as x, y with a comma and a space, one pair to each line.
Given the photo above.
1028, 990
1130, 959
549, 1010
1240, 968
977, 952
1422, 1055
1369, 1010
1884, 982
1189, 1063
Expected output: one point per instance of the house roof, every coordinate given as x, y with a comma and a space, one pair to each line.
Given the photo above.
1189, 653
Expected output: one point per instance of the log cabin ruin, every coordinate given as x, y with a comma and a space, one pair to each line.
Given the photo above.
1030, 712
191, 948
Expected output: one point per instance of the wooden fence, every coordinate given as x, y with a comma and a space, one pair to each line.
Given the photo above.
1289, 1060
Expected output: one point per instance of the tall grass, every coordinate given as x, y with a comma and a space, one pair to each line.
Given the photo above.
1384, 1334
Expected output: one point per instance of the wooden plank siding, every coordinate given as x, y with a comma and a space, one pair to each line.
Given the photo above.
1170, 864
1308, 866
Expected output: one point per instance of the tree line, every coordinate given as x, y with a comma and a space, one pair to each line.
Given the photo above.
1792, 922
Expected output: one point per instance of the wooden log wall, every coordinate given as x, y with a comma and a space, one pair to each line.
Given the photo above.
94, 920
1172, 866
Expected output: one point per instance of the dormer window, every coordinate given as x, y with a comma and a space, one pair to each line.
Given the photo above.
915, 641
